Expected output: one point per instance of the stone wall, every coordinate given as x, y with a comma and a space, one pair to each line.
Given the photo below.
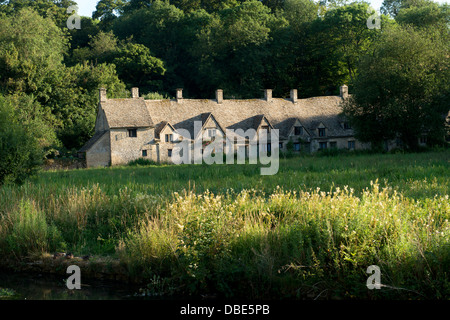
125, 148
99, 155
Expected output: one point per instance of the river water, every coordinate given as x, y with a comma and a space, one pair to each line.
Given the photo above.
22, 286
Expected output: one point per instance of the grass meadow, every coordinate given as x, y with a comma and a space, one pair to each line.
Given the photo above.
308, 232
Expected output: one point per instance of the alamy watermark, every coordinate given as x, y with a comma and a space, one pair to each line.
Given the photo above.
235, 146
374, 281
374, 21
74, 281
74, 21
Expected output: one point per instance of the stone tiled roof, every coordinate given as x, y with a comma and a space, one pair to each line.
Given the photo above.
127, 113
230, 114
92, 141
159, 127
244, 114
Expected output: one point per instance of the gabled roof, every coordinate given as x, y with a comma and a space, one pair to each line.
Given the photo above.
160, 127
257, 120
286, 126
234, 114
208, 115
230, 114
127, 113
97, 136
253, 122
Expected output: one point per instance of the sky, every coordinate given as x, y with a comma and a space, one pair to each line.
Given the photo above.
86, 7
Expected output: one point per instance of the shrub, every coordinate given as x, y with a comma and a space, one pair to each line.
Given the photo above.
29, 233
156, 96
141, 162
20, 153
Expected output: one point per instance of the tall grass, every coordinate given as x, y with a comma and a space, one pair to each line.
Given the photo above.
310, 231
25, 231
297, 244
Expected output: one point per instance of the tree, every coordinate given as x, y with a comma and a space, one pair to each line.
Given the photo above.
428, 16
134, 63
102, 48
402, 89
55, 10
292, 63
238, 48
108, 9
185, 5
80, 38
74, 100
345, 37
20, 154
31, 52
137, 67
161, 29
30, 114
393, 7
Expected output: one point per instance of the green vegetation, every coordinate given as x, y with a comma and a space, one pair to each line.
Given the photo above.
20, 150
236, 45
310, 231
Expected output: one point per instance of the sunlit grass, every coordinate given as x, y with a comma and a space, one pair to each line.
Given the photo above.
309, 231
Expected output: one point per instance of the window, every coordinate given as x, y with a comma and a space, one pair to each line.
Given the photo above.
132, 133
169, 137
298, 131
269, 147
265, 129
333, 145
351, 145
144, 153
169, 153
297, 146
280, 145
347, 126
423, 140
321, 132
211, 133
322, 145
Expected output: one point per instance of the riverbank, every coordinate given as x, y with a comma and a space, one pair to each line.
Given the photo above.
96, 268
309, 232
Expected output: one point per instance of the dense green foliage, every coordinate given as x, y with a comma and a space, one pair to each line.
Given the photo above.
309, 231
20, 150
239, 46
398, 95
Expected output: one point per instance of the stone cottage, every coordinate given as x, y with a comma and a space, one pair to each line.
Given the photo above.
129, 129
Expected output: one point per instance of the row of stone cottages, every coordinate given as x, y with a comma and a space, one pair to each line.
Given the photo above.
129, 129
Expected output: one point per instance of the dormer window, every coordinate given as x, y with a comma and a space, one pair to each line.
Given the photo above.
211, 133
347, 126
132, 133
169, 137
298, 131
321, 132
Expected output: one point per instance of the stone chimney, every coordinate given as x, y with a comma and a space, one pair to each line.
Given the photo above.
102, 95
268, 94
134, 93
219, 95
344, 92
294, 95
179, 95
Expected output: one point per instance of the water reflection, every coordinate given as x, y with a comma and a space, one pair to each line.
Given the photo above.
21, 286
